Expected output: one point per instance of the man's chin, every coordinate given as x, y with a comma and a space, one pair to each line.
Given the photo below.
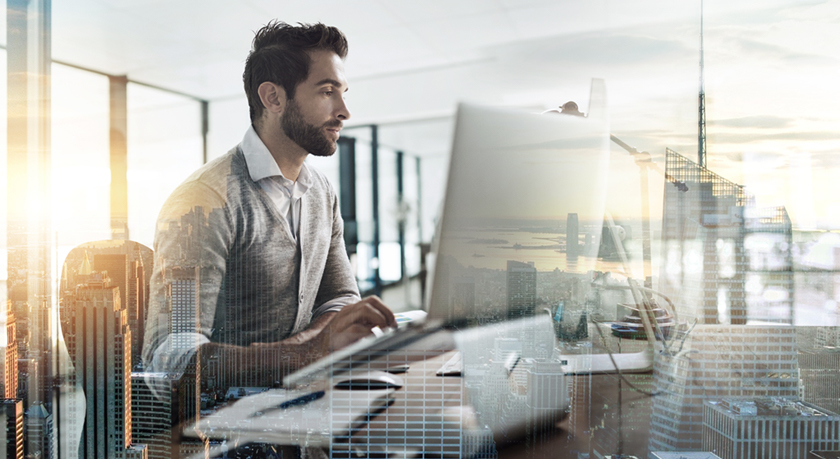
325, 153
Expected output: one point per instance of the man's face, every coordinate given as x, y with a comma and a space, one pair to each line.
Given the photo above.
316, 114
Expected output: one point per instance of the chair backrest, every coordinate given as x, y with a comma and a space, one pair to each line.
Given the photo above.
95, 274
103, 298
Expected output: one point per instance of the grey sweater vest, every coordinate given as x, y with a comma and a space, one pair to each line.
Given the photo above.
227, 269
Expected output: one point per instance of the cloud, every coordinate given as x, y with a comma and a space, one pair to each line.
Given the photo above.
746, 47
744, 138
599, 48
736, 157
825, 159
758, 122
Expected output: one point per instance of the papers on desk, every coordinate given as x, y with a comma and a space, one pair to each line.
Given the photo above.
404, 318
294, 417
637, 362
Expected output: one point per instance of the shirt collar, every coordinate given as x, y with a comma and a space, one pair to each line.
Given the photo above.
262, 165
259, 160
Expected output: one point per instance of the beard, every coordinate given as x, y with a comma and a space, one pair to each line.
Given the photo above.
309, 137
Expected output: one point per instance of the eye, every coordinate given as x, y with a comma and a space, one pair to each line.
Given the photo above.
328, 93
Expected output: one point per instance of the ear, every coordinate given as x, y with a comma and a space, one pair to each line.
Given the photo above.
273, 97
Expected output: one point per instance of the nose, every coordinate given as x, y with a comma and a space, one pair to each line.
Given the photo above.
343, 111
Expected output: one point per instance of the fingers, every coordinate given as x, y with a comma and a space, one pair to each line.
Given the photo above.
355, 321
377, 303
370, 312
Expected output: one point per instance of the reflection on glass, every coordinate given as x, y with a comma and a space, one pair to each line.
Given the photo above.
164, 147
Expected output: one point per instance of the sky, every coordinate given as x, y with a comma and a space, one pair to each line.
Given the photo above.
771, 93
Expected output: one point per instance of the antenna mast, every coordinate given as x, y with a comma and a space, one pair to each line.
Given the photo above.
701, 129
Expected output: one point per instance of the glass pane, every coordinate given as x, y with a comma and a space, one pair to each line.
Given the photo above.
80, 157
164, 147
410, 207
327, 166
389, 251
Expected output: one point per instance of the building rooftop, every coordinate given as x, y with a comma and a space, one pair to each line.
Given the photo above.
769, 407
684, 455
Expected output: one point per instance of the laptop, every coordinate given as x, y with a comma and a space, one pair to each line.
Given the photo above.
525, 193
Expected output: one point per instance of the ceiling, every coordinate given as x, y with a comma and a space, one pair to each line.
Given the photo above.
199, 46
413, 61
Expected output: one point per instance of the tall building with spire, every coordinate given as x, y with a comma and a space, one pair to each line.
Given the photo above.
704, 259
701, 120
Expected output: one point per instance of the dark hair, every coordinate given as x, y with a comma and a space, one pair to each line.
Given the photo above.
280, 54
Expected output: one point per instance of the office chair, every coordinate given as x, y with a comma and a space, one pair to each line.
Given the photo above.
103, 297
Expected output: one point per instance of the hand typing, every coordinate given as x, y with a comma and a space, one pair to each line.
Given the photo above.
355, 321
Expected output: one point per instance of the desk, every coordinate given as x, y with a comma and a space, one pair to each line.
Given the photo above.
606, 416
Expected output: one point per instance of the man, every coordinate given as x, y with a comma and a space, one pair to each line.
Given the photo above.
255, 238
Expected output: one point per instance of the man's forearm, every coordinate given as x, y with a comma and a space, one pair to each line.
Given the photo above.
265, 363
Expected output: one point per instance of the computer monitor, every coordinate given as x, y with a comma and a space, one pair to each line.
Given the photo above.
524, 197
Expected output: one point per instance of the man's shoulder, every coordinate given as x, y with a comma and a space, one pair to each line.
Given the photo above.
219, 172
209, 186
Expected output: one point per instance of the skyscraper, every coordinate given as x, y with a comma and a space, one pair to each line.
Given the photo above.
462, 298
40, 433
572, 236
758, 428
183, 297
718, 362
125, 263
184, 300
138, 302
115, 264
10, 377
819, 371
703, 243
102, 356
769, 288
11, 428
521, 289
157, 414
546, 389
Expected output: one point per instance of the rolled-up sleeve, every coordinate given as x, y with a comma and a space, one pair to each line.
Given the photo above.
338, 285
191, 244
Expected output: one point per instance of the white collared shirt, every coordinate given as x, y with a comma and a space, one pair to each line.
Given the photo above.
284, 193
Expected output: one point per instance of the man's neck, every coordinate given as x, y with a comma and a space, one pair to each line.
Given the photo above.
288, 155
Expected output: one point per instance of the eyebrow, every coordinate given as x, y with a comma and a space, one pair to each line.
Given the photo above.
332, 82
